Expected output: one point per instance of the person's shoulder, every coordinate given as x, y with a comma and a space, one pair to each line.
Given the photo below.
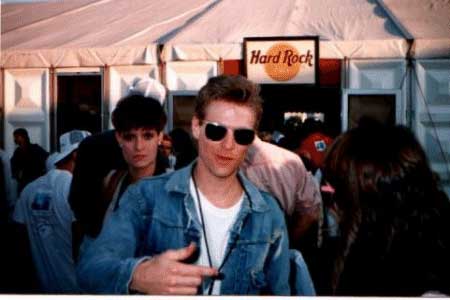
272, 157
145, 193
274, 211
263, 201
37, 147
32, 187
60, 176
269, 199
160, 178
18, 151
147, 185
275, 152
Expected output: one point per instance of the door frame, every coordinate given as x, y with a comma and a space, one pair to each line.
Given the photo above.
55, 73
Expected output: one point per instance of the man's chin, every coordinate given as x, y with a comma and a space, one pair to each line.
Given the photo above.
224, 173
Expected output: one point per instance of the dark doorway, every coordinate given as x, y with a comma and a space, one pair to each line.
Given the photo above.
380, 107
79, 103
280, 99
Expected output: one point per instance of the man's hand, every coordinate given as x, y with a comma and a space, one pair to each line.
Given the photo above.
165, 274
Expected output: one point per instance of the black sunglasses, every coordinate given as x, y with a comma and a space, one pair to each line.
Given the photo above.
216, 132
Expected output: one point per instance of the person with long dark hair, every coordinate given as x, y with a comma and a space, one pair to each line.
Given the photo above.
393, 218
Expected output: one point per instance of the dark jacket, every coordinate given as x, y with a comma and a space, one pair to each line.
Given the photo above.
27, 164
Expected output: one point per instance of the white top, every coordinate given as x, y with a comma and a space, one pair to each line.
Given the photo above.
115, 196
218, 223
43, 207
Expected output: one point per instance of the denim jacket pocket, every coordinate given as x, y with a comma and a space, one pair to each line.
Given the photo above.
253, 255
164, 235
258, 279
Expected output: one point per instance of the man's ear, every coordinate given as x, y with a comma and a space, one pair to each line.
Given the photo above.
160, 137
195, 127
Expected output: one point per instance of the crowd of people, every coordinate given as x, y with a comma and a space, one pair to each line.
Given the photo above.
223, 209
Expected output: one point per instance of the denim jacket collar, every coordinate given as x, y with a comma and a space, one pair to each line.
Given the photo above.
179, 182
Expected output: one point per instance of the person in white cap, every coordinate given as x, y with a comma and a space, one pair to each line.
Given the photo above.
50, 162
44, 210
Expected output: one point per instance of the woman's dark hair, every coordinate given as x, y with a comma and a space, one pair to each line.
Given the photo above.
137, 111
232, 88
183, 147
393, 217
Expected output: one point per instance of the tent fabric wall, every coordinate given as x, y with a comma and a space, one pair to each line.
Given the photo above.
82, 57
327, 50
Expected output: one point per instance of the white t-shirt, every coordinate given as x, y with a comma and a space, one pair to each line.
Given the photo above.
43, 207
218, 223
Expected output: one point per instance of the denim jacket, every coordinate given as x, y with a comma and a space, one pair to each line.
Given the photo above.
158, 213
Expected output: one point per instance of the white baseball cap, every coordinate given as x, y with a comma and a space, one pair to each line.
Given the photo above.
148, 87
50, 161
68, 142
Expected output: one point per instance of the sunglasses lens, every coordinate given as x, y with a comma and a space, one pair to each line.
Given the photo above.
244, 136
215, 132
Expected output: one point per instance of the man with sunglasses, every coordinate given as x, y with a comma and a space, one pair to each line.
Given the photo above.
204, 229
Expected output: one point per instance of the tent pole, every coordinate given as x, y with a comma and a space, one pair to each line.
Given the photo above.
221, 66
409, 69
53, 109
346, 73
2, 108
106, 101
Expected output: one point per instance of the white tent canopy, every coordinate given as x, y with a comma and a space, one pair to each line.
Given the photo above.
347, 28
351, 28
122, 32
89, 32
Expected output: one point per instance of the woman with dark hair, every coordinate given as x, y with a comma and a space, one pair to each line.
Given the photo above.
91, 194
393, 219
138, 122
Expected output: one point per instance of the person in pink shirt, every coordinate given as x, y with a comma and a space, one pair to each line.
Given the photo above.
283, 174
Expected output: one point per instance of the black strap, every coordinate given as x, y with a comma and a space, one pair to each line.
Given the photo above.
203, 228
221, 276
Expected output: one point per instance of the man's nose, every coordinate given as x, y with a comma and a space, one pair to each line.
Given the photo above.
228, 140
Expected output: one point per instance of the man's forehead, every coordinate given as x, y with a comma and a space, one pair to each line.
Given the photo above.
223, 109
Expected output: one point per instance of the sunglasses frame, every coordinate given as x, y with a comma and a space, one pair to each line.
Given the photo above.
237, 138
